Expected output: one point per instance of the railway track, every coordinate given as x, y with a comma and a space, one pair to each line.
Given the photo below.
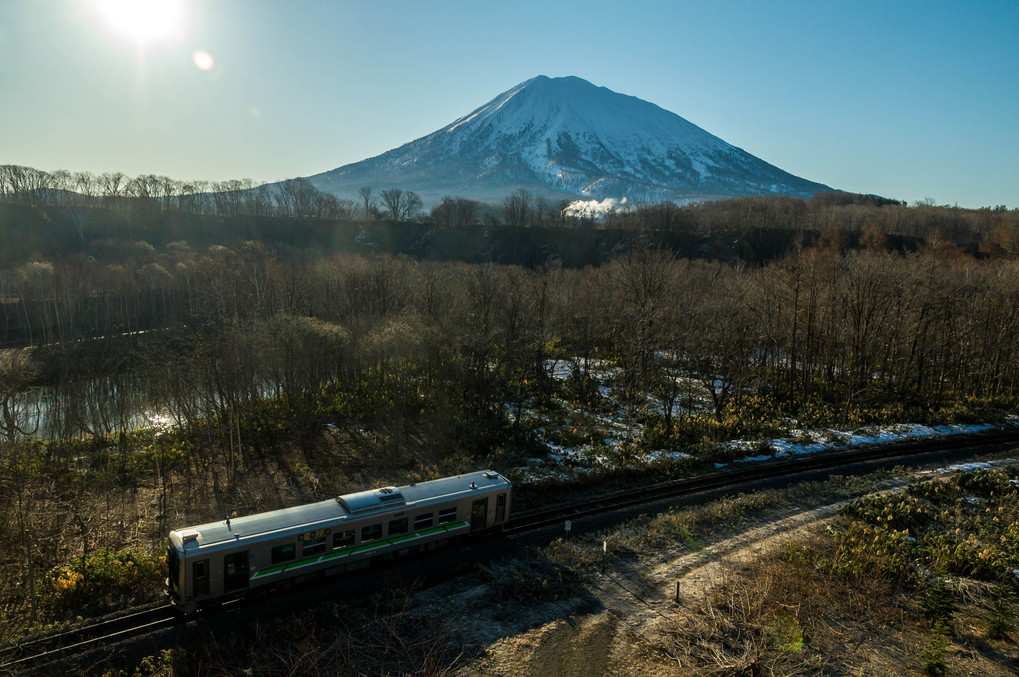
996, 440
77, 640
33, 653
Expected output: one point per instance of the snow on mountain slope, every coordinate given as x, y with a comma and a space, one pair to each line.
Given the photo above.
564, 137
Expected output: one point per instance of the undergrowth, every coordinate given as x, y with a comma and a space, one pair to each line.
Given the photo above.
102, 579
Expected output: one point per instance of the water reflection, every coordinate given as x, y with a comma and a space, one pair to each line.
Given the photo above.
93, 409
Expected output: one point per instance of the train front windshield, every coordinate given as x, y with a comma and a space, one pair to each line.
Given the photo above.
173, 573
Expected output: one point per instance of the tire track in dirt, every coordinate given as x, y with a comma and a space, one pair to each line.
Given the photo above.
634, 601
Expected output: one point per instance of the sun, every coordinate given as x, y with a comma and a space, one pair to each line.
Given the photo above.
143, 20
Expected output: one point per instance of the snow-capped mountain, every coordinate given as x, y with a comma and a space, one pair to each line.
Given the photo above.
564, 137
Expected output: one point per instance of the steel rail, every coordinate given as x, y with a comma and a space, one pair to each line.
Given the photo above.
999, 439
76, 639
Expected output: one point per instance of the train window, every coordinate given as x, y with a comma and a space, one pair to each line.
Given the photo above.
447, 515
423, 521
500, 507
201, 571
371, 532
283, 553
236, 575
313, 546
343, 539
398, 526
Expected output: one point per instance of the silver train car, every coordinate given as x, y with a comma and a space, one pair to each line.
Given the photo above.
220, 560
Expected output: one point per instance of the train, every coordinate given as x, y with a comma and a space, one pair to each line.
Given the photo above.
210, 563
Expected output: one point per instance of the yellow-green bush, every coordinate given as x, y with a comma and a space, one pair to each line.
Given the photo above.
103, 578
961, 526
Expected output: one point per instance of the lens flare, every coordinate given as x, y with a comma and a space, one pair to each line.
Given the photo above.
203, 60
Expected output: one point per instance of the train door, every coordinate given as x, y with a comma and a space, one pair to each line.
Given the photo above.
500, 508
236, 571
200, 572
479, 514
174, 571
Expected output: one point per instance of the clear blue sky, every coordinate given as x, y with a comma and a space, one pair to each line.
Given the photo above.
904, 99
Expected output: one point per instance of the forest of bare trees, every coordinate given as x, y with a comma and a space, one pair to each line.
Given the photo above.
842, 327
151, 194
372, 362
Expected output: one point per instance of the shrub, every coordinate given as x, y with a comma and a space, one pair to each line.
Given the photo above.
938, 605
1002, 613
102, 579
932, 658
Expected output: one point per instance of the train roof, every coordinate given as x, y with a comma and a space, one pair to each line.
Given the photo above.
363, 503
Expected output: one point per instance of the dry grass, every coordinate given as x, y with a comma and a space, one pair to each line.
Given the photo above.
655, 538
782, 615
758, 609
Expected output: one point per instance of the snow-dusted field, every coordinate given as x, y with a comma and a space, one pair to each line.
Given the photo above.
611, 434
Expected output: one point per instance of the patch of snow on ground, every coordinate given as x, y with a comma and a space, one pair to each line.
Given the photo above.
836, 439
964, 467
566, 463
750, 459
661, 454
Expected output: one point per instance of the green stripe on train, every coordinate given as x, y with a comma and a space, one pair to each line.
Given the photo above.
345, 552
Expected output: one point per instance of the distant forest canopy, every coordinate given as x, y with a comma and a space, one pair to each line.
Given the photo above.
112, 218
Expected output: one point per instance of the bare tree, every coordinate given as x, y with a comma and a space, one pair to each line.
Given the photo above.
873, 239
454, 212
465, 211
718, 336
400, 205
25, 184
412, 206
643, 283
392, 199
369, 202
516, 209
300, 198
112, 186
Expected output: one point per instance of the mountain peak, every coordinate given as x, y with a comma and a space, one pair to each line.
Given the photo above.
565, 137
